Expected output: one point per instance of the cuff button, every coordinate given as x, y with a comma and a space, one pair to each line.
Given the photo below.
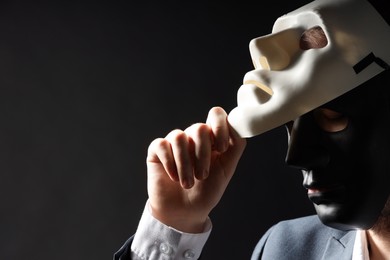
189, 254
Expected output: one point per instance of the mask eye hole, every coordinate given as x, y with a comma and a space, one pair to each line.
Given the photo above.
330, 120
313, 38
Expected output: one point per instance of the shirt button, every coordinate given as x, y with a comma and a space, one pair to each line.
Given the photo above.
164, 248
188, 254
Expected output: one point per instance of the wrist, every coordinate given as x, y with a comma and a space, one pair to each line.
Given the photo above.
188, 223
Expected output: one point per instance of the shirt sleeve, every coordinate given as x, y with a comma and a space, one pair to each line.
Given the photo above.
153, 240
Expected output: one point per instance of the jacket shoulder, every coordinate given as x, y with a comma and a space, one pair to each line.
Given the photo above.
300, 238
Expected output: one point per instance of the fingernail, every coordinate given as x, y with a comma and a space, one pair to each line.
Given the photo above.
205, 174
187, 184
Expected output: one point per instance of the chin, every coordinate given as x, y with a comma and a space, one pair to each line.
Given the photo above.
337, 216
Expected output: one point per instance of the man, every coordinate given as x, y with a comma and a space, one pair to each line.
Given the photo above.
324, 73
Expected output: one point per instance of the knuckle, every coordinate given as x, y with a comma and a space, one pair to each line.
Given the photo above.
156, 144
177, 136
197, 129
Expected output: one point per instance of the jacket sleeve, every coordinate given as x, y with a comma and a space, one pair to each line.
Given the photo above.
258, 251
124, 253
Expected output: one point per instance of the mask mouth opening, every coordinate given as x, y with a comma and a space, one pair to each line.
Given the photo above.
266, 93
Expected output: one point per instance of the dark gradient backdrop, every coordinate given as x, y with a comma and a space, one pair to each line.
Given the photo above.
84, 88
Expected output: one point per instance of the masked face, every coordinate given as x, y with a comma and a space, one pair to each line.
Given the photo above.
343, 149
314, 54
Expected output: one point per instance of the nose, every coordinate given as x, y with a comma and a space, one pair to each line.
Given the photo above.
306, 150
275, 51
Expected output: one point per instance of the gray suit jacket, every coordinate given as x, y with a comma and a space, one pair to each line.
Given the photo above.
305, 238
298, 239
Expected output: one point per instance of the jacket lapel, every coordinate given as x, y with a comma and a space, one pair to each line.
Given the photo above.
340, 247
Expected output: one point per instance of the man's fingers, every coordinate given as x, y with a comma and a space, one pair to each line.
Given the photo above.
200, 137
217, 120
182, 154
160, 152
186, 155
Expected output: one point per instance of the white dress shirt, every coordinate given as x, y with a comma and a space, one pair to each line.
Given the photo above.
360, 249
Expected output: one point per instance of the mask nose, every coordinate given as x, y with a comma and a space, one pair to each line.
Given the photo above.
305, 149
275, 51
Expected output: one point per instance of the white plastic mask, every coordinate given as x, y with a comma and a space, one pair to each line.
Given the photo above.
289, 81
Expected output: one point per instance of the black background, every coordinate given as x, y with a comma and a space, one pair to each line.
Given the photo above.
86, 86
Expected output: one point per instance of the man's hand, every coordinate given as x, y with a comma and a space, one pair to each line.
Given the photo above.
188, 171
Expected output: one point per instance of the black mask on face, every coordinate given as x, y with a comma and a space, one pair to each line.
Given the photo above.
346, 171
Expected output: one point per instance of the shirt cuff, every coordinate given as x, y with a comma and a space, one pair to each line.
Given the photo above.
155, 240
